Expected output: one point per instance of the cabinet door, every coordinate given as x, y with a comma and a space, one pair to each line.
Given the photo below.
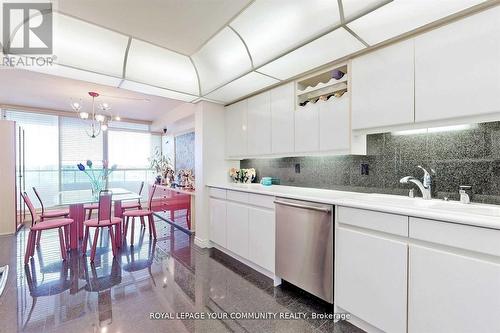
261, 235
237, 229
457, 68
259, 124
218, 221
282, 114
236, 129
307, 128
383, 87
452, 293
334, 124
371, 279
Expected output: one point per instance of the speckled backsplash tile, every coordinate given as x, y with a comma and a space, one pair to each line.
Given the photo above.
459, 157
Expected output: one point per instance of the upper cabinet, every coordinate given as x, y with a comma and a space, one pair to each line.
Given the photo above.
383, 87
334, 124
457, 68
236, 129
282, 118
259, 124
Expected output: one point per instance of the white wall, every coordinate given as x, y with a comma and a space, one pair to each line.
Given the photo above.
176, 120
210, 164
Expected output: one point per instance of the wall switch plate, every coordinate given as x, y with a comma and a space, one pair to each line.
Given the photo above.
365, 169
297, 168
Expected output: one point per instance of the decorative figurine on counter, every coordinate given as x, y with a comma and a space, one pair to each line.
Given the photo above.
185, 178
245, 176
163, 167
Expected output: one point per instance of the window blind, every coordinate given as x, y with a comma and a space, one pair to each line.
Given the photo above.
78, 147
41, 146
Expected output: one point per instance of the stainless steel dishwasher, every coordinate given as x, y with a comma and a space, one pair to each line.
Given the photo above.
304, 246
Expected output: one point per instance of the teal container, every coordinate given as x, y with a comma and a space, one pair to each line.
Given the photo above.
266, 181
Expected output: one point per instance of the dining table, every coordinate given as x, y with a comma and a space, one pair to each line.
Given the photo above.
77, 199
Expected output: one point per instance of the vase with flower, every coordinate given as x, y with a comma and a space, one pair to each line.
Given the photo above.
98, 177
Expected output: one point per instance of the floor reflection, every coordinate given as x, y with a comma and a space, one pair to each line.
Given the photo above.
169, 275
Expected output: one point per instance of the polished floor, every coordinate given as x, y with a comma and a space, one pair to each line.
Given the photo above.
163, 278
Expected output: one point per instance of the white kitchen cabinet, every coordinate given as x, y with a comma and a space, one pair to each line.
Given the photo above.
261, 239
371, 278
383, 87
282, 118
237, 228
236, 129
451, 292
307, 128
218, 221
457, 68
334, 124
259, 124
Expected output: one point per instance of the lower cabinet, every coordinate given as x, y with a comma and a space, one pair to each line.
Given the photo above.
245, 225
261, 234
237, 228
451, 292
218, 221
371, 278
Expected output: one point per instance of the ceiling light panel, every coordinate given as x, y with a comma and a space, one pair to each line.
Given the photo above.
323, 50
89, 47
354, 8
76, 74
155, 91
401, 16
272, 27
222, 59
157, 66
243, 86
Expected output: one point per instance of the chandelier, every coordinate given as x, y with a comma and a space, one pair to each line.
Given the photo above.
98, 122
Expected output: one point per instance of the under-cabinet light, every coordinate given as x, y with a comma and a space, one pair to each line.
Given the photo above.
452, 128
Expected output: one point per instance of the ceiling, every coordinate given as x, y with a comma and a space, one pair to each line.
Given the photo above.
179, 25
223, 50
36, 90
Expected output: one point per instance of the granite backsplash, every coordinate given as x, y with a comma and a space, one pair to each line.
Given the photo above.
460, 156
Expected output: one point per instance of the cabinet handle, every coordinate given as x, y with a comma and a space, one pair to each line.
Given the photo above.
297, 205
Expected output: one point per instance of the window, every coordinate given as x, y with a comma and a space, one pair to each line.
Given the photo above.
78, 147
130, 151
54, 145
41, 147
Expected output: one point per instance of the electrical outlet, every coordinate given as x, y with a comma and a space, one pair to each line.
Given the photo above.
297, 168
365, 169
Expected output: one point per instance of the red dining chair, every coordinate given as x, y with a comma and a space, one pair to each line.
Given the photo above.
103, 220
134, 204
48, 214
62, 224
141, 213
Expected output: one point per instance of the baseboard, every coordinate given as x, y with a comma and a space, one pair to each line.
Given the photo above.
203, 243
358, 322
276, 280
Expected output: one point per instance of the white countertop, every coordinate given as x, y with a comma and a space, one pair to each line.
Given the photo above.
481, 215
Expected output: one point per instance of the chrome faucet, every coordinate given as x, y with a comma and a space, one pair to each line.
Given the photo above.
425, 186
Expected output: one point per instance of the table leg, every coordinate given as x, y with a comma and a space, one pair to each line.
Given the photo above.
118, 233
77, 213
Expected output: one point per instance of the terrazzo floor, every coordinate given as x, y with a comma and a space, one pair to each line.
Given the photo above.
164, 278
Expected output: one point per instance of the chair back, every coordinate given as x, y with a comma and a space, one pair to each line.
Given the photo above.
104, 210
39, 199
151, 196
31, 208
140, 191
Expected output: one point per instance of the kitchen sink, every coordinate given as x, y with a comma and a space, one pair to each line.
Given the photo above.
449, 206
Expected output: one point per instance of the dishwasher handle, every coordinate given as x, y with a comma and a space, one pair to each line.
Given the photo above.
298, 205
